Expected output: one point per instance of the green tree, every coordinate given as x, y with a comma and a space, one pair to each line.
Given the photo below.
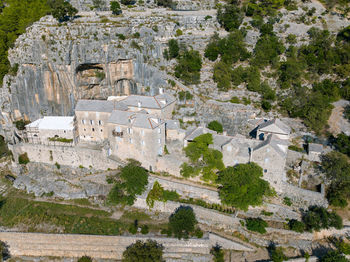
188, 67
143, 252
115, 8
242, 186
347, 112
182, 222
173, 48
98, 4
342, 144
267, 50
222, 76
336, 167
85, 259
62, 10
216, 126
133, 181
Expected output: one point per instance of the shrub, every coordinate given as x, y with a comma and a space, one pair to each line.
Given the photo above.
23, 159
57, 165
62, 10
132, 229
277, 254
256, 225
128, 2
334, 256
116, 9
287, 201
215, 126
198, 233
121, 36
85, 259
165, 3
235, 100
230, 17
317, 218
178, 32
143, 251
296, 225
144, 229
217, 253
295, 148
21, 124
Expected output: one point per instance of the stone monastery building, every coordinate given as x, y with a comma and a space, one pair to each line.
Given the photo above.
140, 127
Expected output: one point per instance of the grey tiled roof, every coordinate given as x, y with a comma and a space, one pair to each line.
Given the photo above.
276, 143
172, 124
134, 119
220, 140
152, 102
278, 123
197, 132
99, 106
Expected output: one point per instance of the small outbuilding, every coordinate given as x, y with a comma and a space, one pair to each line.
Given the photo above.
314, 151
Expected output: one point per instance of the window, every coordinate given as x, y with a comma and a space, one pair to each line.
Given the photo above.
83, 121
130, 140
159, 140
117, 129
159, 131
116, 147
100, 122
84, 129
142, 142
265, 170
93, 129
101, 130
91, 122
266, 160
64, 131
160, 151
142, 132
129, 130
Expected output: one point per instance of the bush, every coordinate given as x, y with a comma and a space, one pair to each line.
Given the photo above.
287, 201
143, 251
20, 124
334, 256
62, 10
132, 229
182, 222
215, 126
144, 229
217, 253
165, 3
317, 218
198, 233
256, 225
296, 225
23, 159
178, 32
116, 10
57, 165
128, 2
85, 259
277, 254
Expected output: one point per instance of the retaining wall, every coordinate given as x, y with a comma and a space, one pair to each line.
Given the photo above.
64, 155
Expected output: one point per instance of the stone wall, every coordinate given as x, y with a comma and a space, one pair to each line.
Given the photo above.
70, 156
302, 196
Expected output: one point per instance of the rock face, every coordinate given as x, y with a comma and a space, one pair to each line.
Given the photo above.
65, 182
95, 56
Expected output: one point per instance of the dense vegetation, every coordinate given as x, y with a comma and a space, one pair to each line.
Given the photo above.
203, 160
317, 218
182, 222
336, 167
115, 8
149, 250
325, 54
189, 64
85, 259
17, 15
242, 186
131, 181
218, 253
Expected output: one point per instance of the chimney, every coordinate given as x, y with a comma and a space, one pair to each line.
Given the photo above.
161, 90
